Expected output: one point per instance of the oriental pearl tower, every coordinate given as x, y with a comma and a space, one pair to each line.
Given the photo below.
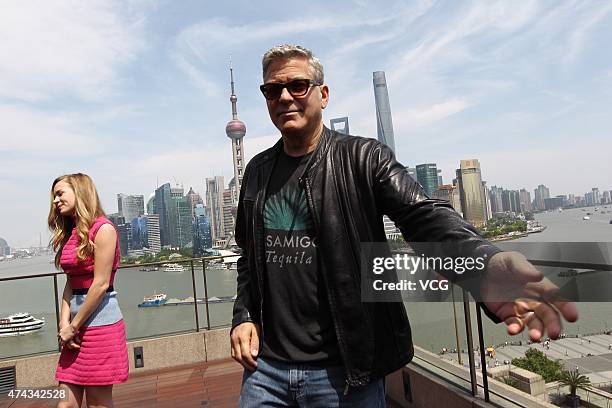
235, 130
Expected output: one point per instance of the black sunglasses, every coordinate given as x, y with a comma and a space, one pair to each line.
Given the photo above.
296, 88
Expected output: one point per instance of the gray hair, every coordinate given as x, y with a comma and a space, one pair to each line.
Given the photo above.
288, 51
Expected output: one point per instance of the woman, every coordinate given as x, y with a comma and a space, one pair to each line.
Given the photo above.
92, 334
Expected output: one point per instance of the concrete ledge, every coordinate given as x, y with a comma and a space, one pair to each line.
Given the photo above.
158, 353
439, 383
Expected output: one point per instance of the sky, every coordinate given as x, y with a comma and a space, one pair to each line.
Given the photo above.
136, 93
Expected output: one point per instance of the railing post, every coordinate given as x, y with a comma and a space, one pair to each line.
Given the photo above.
195, 297
206, 294
57, 316
470, 341
483, 361
457, 341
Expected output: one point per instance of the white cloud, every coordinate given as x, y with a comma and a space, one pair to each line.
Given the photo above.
65, 47
32, 134
411, 118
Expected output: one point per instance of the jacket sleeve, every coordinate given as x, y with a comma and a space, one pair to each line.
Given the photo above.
431, 226
243, 305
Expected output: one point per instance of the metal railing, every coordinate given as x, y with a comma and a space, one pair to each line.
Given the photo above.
480, 330
191, 261
465, 301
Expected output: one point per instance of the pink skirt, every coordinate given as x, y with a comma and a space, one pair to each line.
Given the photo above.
101, 360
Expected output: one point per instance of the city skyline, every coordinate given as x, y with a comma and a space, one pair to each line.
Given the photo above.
137, 92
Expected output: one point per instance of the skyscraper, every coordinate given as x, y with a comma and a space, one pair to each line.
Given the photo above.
140, 234
487, 202
427, 176
229, 213
471, 192
214, 203
540, 194
130, 206
202, 239
153, 234
343, 122
384, 123
449, 193
525, 200
183, 222
235, 130
596, 196
163, 206
194, 199
495, 196
151, 205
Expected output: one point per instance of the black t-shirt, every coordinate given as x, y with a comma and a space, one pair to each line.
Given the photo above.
297, 319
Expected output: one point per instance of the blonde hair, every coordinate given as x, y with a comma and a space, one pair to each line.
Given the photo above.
87, 209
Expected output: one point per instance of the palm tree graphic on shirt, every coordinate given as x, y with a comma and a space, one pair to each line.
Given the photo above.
287, 211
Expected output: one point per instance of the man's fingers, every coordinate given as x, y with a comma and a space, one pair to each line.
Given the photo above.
568, 310
236, 355
247, 358
514, 325
534, 325
550, 319
254, 344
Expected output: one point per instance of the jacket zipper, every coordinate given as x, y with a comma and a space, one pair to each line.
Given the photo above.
304, 182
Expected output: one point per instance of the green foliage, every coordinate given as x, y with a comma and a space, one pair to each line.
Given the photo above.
537, 362
502, 225
513, 382
573, 379
163, 255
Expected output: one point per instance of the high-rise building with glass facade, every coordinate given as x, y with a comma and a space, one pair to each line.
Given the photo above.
194, 199
340, 125
151, 204
214, 204
202, 239
140, 233
471, 192
153, 233
164, 207
525, 200
130, 206
427, 176
596, 196
487, 203
183, 223
540, 194
384, 123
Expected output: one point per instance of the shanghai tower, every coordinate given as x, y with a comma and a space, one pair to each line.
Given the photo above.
384, 123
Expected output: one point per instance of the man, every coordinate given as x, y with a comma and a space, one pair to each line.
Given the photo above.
306, 205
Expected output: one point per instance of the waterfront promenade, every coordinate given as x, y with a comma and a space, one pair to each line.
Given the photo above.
591, 354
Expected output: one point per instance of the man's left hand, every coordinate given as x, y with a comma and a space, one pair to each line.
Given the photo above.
536, 303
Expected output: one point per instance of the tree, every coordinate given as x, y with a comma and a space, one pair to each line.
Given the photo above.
537, 362
574, 379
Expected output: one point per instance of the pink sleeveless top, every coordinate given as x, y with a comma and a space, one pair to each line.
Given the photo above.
82, 272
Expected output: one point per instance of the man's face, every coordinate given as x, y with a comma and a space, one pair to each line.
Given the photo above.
295, 115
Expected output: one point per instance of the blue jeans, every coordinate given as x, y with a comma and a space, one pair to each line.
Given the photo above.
276, 384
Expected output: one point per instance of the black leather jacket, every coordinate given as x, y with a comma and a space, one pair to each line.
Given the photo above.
350, 183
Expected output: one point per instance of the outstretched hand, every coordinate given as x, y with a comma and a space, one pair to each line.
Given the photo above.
516, 292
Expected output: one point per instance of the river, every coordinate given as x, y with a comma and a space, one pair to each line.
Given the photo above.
432, 323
